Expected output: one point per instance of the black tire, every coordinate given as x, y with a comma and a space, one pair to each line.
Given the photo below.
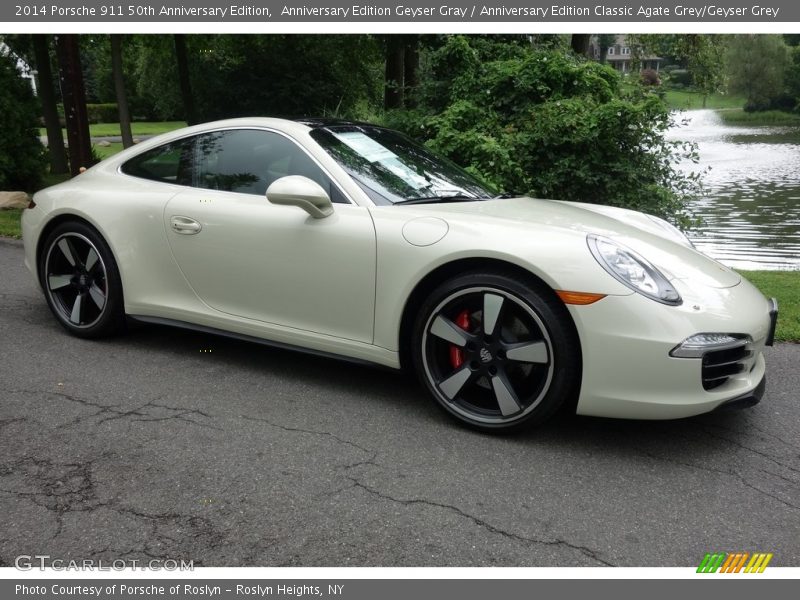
81, 281
514, 376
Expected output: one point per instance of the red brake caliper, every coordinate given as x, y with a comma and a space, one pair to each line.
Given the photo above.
456, 353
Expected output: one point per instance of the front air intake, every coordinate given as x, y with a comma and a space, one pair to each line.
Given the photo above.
720, 365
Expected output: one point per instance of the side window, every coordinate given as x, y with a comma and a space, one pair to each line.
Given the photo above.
169, 163
247, 161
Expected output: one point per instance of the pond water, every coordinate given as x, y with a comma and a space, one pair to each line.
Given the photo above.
751, 214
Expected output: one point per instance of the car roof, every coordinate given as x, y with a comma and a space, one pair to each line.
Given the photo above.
323, 122
304, 125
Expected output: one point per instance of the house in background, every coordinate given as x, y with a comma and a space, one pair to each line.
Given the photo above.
619, 55
25, 71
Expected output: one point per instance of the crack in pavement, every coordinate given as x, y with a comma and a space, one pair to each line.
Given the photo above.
7, 422
729, 472
360, 463
586, 551
64, 488
181, 414
116, 413
60, 488
195, 527
69, 487
779, 476
18, 301
770, 457
752, 426
766, 493
307, 431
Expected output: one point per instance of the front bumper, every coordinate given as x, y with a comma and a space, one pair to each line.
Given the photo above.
747, 400
773, 321
626, 341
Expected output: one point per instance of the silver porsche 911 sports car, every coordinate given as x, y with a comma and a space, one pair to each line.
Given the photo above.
352, 240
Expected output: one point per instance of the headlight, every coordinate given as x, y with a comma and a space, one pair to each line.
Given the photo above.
674, 233
629, 268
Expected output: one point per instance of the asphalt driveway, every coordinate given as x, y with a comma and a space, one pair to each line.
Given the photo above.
174, 444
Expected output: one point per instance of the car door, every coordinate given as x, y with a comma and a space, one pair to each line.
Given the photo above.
247, 257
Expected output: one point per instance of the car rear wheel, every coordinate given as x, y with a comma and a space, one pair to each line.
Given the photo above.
81, 281
496, 352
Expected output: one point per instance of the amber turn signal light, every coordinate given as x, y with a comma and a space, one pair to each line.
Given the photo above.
579, 298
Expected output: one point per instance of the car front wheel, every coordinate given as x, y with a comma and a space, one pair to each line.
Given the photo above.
496, 352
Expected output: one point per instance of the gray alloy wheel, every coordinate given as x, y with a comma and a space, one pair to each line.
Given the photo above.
496, 355
81, 281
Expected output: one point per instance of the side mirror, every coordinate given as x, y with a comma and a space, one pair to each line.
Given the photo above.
296, 190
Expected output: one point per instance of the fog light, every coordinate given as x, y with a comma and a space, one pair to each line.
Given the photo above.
698, 344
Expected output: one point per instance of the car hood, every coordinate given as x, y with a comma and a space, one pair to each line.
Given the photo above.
633, 229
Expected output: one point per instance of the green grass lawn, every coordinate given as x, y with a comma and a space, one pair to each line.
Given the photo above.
683, 100
104, 152
142, 128
9, 222
767, 117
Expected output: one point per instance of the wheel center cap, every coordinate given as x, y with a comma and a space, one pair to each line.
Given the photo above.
485, 355
83, 280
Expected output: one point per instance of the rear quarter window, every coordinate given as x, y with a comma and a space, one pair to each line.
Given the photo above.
169, 163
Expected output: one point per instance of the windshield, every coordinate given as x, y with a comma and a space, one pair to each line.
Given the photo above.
391, 168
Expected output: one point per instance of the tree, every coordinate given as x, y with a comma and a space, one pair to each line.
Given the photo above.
280, 75
757, 65
580, 43
184, 79
119, 87
410, 69
394, 73
73, 95
604, 42
295, 75
703, 56
549, 124
22, 159
154, 90
793, 77
47, 97
34, 50
792, 39
706, 62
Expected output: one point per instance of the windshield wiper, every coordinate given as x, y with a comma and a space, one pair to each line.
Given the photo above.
442, 199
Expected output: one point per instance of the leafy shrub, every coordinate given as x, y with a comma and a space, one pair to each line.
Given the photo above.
758, 66
650, 77
102, 113
680, 77
96, 113
549, 124
22, 159
793, 77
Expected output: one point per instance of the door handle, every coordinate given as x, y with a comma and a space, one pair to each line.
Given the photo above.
185, 225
